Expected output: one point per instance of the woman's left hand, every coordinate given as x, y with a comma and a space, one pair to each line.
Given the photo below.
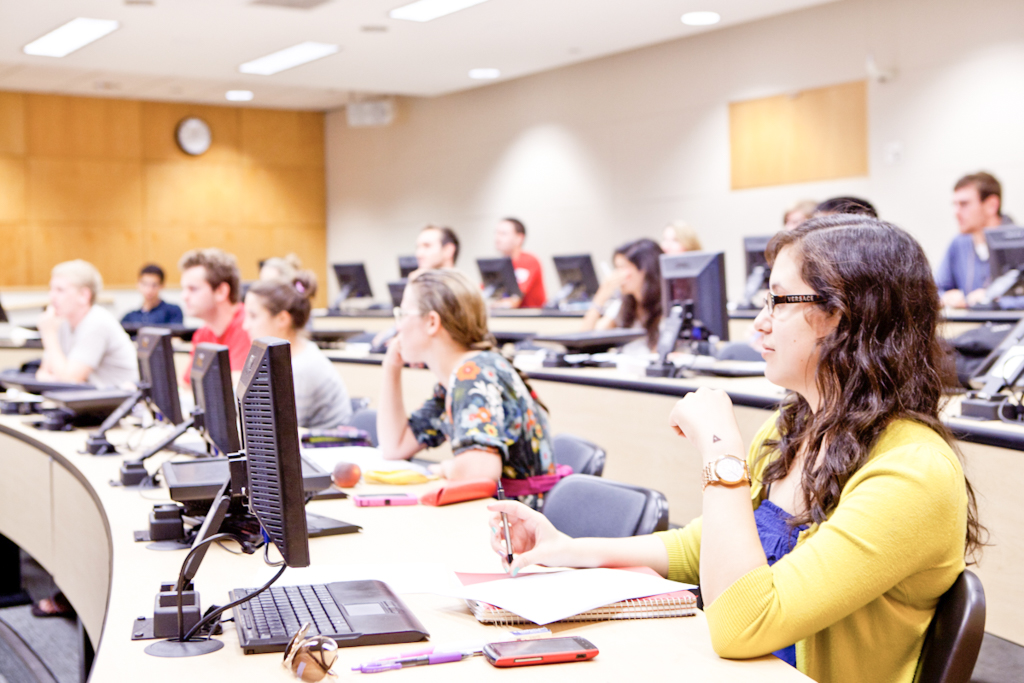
706, 418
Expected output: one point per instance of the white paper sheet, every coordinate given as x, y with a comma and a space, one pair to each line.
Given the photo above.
368, 459
548, 597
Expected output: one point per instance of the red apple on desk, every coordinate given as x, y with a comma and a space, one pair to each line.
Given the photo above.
346, 475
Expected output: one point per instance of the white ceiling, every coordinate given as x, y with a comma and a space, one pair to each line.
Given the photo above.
189, 50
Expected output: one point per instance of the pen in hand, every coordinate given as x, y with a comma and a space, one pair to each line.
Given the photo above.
504, 523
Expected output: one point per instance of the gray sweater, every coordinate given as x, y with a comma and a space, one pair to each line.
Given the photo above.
321, 399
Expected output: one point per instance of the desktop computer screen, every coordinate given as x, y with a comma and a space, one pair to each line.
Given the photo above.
697, 276
156, 366
270, 431
352, 281
758, 271
499, 277
1006, 250
578, 278
211, 387
397, 290
3, 314
407, 264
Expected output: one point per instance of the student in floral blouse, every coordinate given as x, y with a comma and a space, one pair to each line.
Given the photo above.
481, 404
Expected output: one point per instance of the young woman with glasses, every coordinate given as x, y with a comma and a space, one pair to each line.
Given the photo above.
831, 538
497, 427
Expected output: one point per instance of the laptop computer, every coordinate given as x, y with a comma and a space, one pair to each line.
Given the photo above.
351, 612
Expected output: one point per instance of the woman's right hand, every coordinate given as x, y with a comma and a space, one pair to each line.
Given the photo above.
611, 284
535, 540
393, 356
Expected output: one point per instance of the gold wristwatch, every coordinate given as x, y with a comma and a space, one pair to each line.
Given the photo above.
727, 470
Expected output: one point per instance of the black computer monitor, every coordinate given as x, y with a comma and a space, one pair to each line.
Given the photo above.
499, 277
578, 278
757, 271
697, 276
156, 366
397, 291
3, 314
352, 281
211, 387
407, 264
1005, 249
270, 430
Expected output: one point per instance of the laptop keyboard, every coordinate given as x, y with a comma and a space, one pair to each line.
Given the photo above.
281, 611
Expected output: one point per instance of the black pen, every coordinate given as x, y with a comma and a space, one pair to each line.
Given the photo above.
504, 522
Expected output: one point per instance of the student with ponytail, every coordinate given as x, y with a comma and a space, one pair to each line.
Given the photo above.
496, 425
281, 308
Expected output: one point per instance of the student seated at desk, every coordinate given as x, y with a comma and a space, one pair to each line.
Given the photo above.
83, 342
277, 308
638, 277
850, 514
496, 426
154, 311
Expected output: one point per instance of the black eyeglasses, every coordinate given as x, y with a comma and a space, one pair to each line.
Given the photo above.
773, 300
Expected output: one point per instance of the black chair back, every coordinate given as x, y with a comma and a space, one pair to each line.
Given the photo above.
954, 637
583, 456
584, 505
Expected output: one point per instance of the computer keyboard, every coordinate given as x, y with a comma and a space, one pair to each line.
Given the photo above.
282, 611
350, 612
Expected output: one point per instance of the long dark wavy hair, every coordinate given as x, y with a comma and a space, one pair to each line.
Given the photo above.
645, 255
884, 361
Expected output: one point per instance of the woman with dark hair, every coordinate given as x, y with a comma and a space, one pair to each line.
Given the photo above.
638, 277
831, 542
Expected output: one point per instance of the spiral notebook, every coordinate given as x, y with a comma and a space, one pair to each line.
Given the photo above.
682, 603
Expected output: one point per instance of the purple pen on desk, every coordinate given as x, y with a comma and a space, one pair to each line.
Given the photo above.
421, 660
504, 523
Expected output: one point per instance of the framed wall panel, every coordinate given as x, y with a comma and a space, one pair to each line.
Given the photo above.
818, 134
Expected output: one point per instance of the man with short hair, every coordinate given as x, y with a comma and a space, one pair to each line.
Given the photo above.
508, 240
210, 284
963, 273
437, 247
154, 311
83, 342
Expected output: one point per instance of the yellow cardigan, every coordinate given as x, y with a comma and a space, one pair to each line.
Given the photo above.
858, 591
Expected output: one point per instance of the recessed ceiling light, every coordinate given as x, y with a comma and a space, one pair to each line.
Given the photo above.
428, 10
701, 18
484, 74
288, 58
73, 35
374, 28
239, 95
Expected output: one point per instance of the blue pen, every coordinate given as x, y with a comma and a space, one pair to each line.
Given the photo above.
421, 660
504, 522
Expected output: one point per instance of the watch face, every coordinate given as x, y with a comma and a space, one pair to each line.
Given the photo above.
193, 136
729, 470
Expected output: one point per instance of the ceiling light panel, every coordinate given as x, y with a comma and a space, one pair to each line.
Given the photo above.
428, 10
239, 95
288, 58
73, 35
701, 18
484, 74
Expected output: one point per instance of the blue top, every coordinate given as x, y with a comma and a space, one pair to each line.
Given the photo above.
778, 537
961, 268
162, 314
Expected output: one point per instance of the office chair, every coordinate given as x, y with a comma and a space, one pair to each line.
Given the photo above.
585, 505
583, 456
366, 419
954, 637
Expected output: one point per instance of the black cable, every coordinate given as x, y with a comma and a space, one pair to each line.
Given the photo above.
216, 613
181, 575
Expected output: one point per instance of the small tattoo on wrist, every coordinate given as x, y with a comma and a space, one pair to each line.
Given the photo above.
714, 438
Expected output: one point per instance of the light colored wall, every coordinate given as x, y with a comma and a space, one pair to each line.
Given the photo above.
592, 155
103, 180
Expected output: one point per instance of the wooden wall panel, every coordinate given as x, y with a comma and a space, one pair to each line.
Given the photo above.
12, 123
14, 267
115, 248
104, 180
80, 189
12, 189
292, 138
817, 134
83, 127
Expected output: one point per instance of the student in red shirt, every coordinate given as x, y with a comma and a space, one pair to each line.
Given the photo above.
508, 240
210, 284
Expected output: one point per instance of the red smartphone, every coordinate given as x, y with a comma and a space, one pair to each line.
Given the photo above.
543, 651
383, 499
